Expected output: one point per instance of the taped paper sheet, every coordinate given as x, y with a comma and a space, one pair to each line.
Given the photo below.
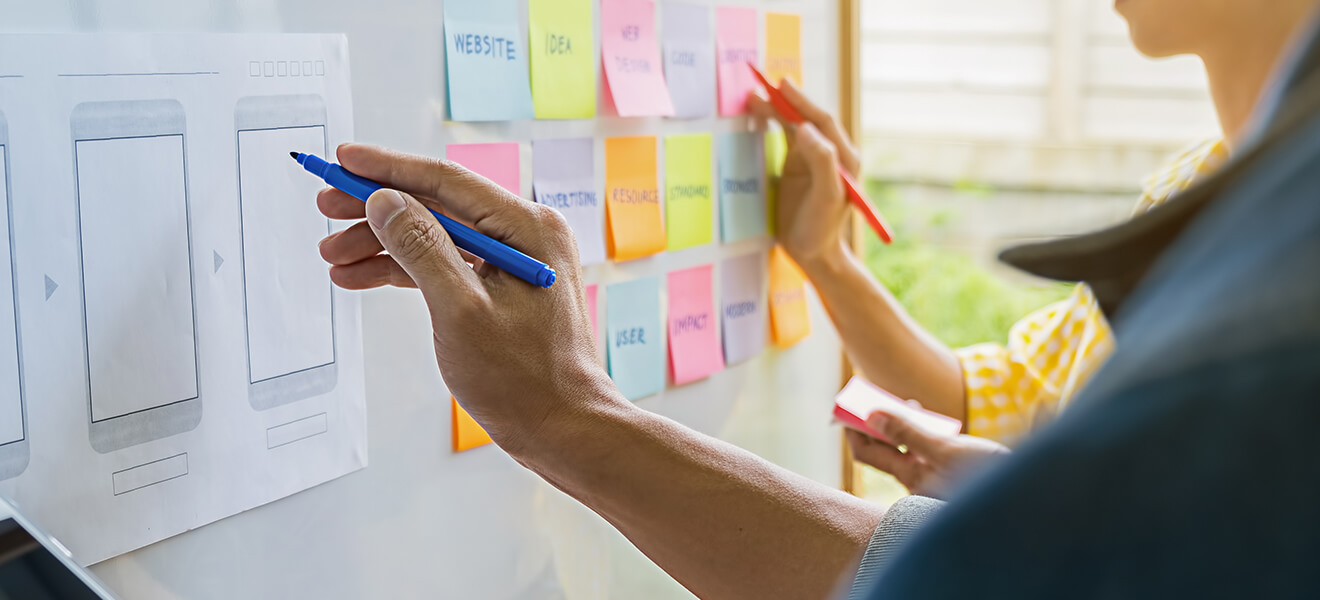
168, 304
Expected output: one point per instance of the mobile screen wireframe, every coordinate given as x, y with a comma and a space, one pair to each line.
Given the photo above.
135, 257
288, 297
14, 446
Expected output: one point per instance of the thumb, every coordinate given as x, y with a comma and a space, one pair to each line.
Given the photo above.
415, 239
904, 433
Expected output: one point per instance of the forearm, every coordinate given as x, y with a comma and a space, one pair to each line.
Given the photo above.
883, 341
721, 521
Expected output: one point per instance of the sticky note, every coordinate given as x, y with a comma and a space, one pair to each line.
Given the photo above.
689, 47
694, 340
563, 58
783, 47
467, 433
632, 198
742, 187
742, 306
634, 75
496, 162
689, 209
564, 178
634, 342
486, 59
858, 400
735, 45
593, 291
789, 321
776, 152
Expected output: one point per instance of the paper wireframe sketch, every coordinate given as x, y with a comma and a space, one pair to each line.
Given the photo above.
168, 302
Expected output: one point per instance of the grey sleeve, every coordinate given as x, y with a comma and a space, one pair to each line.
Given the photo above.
904, 518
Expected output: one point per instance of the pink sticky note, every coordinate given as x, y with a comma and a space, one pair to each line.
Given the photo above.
496, 162
860, 399
694, 337
735, 45
634, 75
591, 309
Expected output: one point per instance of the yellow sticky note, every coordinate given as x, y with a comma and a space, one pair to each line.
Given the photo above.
563, 59
789, 321
689, 179
632, 198
776, 151
467, 433
783, 47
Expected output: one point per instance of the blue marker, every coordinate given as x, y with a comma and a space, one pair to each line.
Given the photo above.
493, 252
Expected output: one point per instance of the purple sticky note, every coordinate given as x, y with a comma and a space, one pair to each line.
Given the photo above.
742, 306
689, 59
564, 178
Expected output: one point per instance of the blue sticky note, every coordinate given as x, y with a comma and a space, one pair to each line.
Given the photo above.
635, 344
487, 61
742, 187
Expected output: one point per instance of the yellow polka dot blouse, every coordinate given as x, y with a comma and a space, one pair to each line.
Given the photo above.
1052, 352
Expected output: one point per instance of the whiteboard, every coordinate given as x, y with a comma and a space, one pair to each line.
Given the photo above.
421, 521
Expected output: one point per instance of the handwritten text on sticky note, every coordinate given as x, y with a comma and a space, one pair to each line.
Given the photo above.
688, 205
635, 343
742, 304
789, 320
783, 47
742, 187
694, 341
632, 58
735, 46
689, 49
632, 198
486, 61
563, 70
564, 178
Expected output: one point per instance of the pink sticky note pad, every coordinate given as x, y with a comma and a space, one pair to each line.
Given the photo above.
694, 337
858, 400
631, 56
496, 162
591, 309
736, 45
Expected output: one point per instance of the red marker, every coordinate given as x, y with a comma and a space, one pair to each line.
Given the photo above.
855, 196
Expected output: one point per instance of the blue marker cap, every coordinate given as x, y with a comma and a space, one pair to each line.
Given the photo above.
493, 252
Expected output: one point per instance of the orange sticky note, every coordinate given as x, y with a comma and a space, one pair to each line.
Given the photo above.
783, 47
789, 321
467, 433
632, 198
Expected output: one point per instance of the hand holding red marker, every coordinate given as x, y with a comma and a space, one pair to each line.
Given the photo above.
855, 196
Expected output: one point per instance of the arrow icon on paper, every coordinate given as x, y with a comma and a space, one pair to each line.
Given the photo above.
51, 286
218, 260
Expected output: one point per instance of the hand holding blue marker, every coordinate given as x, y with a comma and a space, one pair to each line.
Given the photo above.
493, 252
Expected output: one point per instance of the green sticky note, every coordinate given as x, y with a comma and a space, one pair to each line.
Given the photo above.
563, 46
689, 181
776, 151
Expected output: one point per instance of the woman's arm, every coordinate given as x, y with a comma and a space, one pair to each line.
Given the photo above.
882, 340
884, 343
